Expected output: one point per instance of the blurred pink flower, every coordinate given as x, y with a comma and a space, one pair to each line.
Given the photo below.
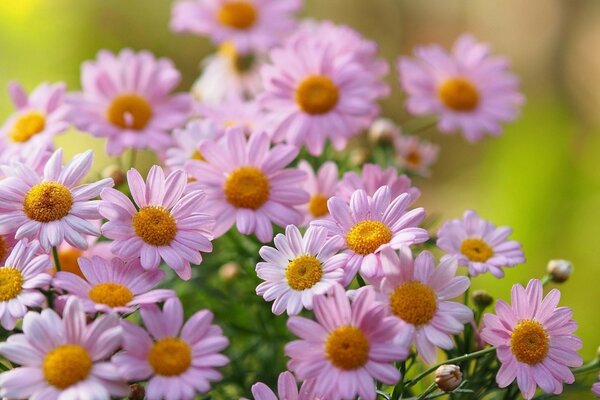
321, 186
596, 388
186, 143
233, 112
415, 154
287, 389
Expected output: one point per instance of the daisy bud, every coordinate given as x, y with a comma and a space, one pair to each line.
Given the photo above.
114, 172
482, 298
560, 270
448, 377
136, 392
383, 130
229, 270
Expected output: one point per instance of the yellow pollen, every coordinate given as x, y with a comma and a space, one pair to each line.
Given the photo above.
3, 249
366, 236
66, 365
129, 111
303, 272
247, 187
155, 225
68, 261
47, 202
317, 206
529, 342
238, 15
414, 302
110, 293
26, 126
459, 94
11, 283
347, 348
170, 356
476, 250
317, 94
198, 156
413, 159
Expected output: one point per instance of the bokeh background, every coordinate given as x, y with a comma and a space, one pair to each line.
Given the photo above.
542, 177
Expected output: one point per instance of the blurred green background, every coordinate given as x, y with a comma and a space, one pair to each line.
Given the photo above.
542, 177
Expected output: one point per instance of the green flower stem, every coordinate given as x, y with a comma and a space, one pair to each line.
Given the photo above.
546, 279
591, 366
430, 389
56, 259
399, 388
132, 158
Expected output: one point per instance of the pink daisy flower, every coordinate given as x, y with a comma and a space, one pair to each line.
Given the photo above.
469, 89
417, 296
162, 224
21, 275
321, 186
233, 112
414, 154
367, 225
534, 340
246, 183
311, 95
187, 142
348, 347
287, 389
51, 206
479, 245
372, 178
38, 117
178, 360
113, 285
299, 268
126, 98
36, 156
63, 357
249, 24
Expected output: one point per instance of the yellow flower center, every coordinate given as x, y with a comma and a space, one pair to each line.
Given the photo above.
198, 156
155, 225
459, 94
47, 202
303, 272
26, 126
317, 94
529, 342
240, 63
66, 365
366, 236
129, 111
414, 302
110, 293
170, 356
317, 206
247, 187
11, 283
476, 250
68, 261
413, 159
347, 348
3, 249
238, 15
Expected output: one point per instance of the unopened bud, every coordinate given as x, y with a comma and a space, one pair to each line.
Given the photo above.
114, 172
359, 156
229, 270
448, 377
482, 298
383, 130
560, 270
136, 392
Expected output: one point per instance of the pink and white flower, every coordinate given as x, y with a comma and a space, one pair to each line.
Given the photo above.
321, 186
479, 245
468, 89
534, 340
164, 223
187, 142
233, 112
287, 389
63, 358
414, 154
178, 359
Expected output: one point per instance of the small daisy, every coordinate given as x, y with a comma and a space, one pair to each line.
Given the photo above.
415, 154
246, 183
38, 118
233, 112
479, 245
113, 285
50, 206
178, 360
368, 224
311, 95
35, 156
534, 340
321, 186
347, 348
372, 178
187, 142
249, 24
418, 296
127, 99
163, 222
287, 389
469, 89
298, 268
63, 358
21, 275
